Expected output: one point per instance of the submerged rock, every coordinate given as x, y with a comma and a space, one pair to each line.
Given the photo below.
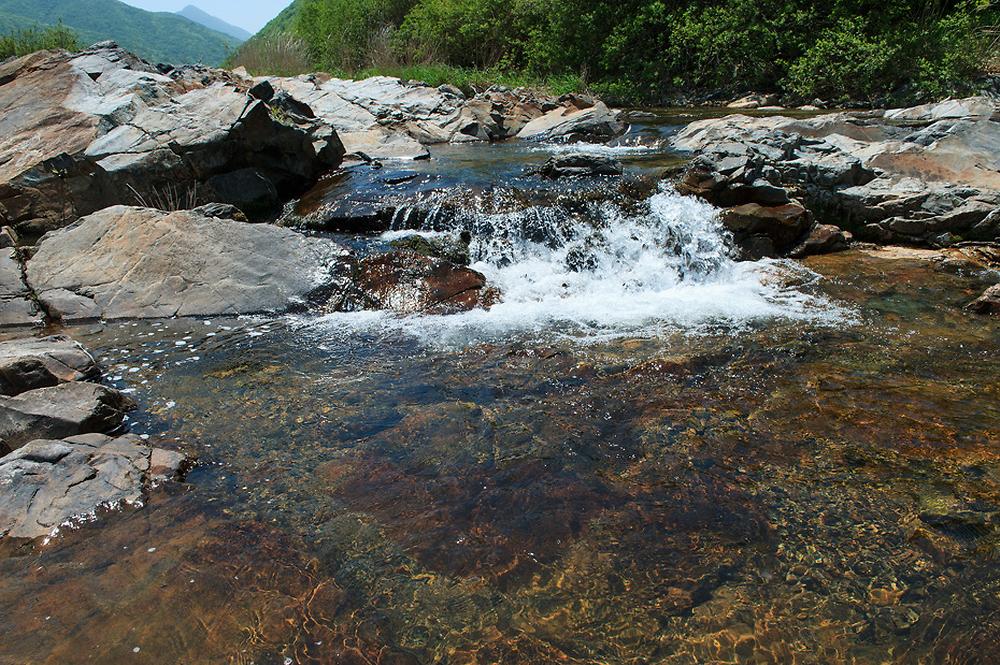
64, 410
48, 483
928, 175
409, 283
27, 364
126, 262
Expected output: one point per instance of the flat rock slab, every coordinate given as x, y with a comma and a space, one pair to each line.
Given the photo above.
138, 263
50, 483
30, 363
65, 410
16, 307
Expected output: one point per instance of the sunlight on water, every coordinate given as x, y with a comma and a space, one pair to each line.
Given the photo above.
612, 273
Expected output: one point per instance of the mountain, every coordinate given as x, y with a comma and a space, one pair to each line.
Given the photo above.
155, 36
192, 13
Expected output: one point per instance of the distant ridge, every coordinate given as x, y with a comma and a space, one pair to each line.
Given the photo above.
155, 36
192, 13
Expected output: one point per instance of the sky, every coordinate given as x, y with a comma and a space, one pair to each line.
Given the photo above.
250, 15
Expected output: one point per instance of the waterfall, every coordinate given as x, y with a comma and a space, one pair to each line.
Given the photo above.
604, 270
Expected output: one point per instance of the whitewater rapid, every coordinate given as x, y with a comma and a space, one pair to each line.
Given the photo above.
618, 272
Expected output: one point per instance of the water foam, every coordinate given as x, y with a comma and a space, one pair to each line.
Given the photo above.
611, 272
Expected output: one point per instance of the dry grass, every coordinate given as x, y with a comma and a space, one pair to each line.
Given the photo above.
168, 198
275, 55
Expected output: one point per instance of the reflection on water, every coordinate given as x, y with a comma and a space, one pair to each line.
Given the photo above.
788, 491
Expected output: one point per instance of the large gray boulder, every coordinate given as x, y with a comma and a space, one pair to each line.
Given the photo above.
60, 411
597, 123
50, 483
30, 363
126, 262
927, 175
80, 132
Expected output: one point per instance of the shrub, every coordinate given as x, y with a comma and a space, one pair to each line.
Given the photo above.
23, 42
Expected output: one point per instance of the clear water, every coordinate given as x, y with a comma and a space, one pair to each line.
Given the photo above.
646, 454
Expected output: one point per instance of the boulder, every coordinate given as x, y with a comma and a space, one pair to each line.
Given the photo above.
126, 262
31, 363
569, 124
823, 239
988, 303
83, 131
450, 248
409, 283
578, 165
756, 228
928, 175
64, 410
49, 482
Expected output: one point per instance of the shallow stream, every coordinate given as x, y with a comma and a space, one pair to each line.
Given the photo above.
648, 453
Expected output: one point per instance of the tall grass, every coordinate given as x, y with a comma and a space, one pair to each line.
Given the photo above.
273, 55
23, 42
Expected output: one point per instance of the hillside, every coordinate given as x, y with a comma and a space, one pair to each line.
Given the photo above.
156, 36
200, 17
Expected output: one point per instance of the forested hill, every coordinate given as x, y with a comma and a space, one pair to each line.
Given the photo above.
156, 36
643, 49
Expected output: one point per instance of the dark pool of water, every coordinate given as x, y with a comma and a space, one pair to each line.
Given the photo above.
787, 492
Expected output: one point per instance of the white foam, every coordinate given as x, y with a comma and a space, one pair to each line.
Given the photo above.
600, 149
666, 268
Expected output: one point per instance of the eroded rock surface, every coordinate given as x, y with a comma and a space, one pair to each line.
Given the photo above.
48, 483
83, 131
16, 306
126, 262
928, 175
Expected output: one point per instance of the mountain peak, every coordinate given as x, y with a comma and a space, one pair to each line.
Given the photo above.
201, 17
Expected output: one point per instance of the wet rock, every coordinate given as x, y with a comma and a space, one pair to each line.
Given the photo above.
988, 303
49, 482
126, 262
823, 239
452, 249
580, 165
84, 131
409, 283
928, 175
31, 363
569, 124
64, 410
782, 225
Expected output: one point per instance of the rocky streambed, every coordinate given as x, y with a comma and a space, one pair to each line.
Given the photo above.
312, 370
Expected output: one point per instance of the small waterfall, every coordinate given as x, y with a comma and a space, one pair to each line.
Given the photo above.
599, 270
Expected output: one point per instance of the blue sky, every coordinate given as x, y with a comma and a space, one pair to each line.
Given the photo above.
248, 14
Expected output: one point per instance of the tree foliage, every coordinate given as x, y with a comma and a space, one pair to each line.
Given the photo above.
839, 49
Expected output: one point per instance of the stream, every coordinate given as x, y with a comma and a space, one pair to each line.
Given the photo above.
646, 453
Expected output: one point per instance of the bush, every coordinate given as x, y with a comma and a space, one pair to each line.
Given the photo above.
643, 50
23, 42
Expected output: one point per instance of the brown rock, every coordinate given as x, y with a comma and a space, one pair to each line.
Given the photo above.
410, 283
988, 303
